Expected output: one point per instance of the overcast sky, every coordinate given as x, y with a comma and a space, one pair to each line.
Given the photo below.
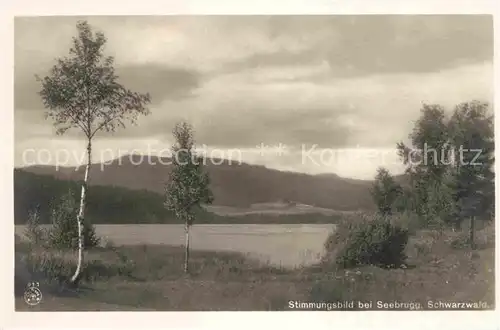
335, 82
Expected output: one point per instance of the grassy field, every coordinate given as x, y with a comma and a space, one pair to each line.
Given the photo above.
150, 277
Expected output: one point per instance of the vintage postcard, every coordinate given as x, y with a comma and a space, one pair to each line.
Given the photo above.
297, 163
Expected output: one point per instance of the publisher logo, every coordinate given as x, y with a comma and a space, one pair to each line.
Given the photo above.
32, 294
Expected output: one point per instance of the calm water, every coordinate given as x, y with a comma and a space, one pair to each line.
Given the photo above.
286, 245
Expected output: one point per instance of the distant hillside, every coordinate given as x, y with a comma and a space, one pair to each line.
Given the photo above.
106, 204
234, 185
118, 205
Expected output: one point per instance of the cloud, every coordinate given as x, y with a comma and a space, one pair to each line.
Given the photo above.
378, 44
367, 42
26, 89
334, 81
252, 107
256, 107
162, 82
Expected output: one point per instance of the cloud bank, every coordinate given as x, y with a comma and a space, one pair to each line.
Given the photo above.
337, 82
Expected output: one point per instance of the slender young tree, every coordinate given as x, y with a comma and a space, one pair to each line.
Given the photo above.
385, 191
82, 92
472, 133
188, 185
426, 160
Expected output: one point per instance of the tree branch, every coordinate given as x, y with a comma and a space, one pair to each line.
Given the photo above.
118, 114
87, 133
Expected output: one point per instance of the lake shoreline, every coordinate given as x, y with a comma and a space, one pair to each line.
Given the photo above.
151, 277
281, 245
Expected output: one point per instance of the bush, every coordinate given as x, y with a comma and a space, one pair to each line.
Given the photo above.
64, 231
33, 232
406, 220
367, 242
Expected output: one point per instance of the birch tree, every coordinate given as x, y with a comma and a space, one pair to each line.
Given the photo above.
425, 159
82, 92
472, 133
188, 185
385, 191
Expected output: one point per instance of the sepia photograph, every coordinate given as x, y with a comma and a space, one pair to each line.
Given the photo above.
254, 163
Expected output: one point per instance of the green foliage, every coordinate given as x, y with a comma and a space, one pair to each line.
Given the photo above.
376, 242
426, 161
105, 204
444, 185
407, 220
471, 128
82, 90
441, 206
64, 231
188, 184
117, 205
34, 233
385, 192
429, 144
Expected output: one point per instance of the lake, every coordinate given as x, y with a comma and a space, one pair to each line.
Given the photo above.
285, 245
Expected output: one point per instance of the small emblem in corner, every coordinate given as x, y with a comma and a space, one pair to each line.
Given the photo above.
32, 294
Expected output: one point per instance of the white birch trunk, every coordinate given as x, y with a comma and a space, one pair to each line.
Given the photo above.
81, 215
186, 259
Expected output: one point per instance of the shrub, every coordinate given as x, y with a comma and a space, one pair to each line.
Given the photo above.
406, 220
367, 242
64, 231
33, 232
